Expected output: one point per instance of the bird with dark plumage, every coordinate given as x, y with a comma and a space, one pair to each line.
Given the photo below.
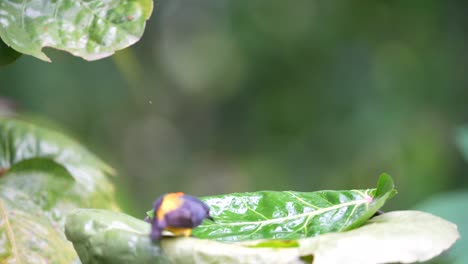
178, 213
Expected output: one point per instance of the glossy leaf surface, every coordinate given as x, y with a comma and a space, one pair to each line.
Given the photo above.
44, 175
26, 148
107, 237
291, 215
101, 236
48, 185
27, 235
89, 29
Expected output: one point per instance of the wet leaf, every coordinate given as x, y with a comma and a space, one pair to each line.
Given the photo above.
291, 215
28, 149
27, 235
88, 29
107, 237
48, 185
101, 236
44, 176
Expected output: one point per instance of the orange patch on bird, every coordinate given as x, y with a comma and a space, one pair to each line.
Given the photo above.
170, 202
130, 17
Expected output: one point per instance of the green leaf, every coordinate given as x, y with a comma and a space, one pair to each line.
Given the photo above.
49, 186
88, 29
101, 236
28, 149
385, 185
291, 215
150, 214
27, 235
401, 236
107, 237
55, 175
7, 54
447, 205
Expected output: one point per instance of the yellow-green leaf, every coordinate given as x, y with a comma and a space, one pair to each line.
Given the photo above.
27, 235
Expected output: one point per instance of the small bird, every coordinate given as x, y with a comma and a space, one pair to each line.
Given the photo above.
178, 213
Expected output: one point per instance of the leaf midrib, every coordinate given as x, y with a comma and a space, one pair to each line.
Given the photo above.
9, 232
310, 214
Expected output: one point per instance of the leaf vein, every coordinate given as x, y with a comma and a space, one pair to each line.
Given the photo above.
23, 10
303, 201
9, 232
249, 208
349, 217
311, 214
324, 199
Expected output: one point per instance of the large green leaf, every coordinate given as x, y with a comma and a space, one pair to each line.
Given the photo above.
100, 236
89, 29
27, 235
48, 185
29, 150
43, 176
107, 237
407, 236
291, 215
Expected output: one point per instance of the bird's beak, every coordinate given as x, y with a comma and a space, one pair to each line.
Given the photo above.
210, 218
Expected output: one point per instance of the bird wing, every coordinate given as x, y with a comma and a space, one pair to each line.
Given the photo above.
199, 209
181, 217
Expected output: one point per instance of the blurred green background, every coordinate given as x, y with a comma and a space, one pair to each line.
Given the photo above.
233, 96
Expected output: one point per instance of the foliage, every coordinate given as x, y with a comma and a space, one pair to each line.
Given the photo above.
290, 215
44, 175
281, 220
27, 233
101, 236
88, 29
331, 94
235, 99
